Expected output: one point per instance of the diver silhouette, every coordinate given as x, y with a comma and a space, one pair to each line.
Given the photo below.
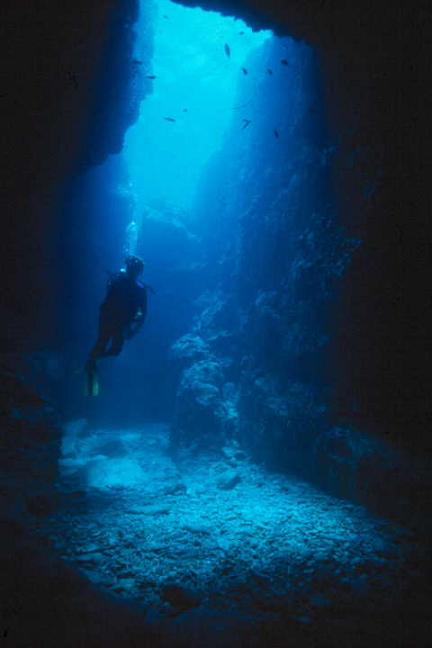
122, 314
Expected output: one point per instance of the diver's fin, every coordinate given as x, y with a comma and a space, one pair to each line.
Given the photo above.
92, 382
95, 385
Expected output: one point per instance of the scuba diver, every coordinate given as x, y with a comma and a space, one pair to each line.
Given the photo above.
122, 314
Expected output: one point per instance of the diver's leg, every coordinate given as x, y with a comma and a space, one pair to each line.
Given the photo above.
117, 343
98, 351
105, 334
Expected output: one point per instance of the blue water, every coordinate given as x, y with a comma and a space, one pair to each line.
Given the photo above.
144, 200
197, 83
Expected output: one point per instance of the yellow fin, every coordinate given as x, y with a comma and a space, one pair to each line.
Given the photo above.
95, 386
92, 383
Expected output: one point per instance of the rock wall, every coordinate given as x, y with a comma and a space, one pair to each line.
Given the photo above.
263, 362
376, 77
30, 437
275, 255
66, 102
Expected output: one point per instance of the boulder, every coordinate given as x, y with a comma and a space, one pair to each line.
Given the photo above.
229, 481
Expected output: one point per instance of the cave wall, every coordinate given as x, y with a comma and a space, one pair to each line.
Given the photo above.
267, 362
58, 63
376, 76
256, 362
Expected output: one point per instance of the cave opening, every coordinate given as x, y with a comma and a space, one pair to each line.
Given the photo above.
199, 59
219, 156
223, 187
215, 92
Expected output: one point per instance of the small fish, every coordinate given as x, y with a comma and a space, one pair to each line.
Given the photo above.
151, 76
185, 109
137, 62
169, 119
227, 49
244, 70
166, 17
246, 123
276, 133
269, 71
284, 62
241, 33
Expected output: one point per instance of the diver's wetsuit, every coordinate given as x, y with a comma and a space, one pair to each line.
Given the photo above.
125, 304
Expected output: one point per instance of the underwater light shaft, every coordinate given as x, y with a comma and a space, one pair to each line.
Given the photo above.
199, 60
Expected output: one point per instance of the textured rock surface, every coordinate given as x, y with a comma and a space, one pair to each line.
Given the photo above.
265, 335
271, 557
29, 448
277, 254
378, 102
